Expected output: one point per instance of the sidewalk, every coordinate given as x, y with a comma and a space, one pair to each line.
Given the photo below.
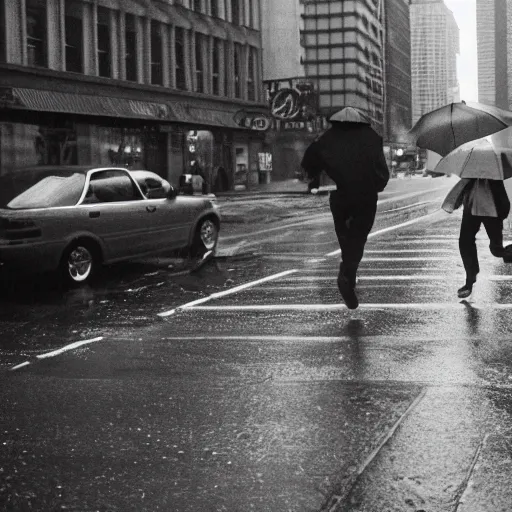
290, 186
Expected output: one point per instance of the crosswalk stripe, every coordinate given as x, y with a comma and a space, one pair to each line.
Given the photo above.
334, 307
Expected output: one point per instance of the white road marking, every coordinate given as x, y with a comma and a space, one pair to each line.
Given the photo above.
417, 277
407, 251
217, 295
437, 306
26, 363
306, 339
59, 351
419, 258
390, 228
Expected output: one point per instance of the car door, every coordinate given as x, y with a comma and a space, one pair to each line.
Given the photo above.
118, 214
171, 217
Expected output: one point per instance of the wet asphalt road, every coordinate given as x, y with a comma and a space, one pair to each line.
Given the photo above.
272, 396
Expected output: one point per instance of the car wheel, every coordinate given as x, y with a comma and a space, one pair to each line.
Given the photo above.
206, 238
79, 263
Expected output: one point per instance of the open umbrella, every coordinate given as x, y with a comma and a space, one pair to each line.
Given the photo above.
485, 158
449, 127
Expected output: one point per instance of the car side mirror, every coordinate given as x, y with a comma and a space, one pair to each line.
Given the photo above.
172, 193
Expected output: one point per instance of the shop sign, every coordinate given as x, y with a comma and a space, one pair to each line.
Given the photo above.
8, 98
292, 99
252, 120
265, 161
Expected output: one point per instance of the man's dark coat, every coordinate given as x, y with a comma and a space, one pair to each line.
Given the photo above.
351, 155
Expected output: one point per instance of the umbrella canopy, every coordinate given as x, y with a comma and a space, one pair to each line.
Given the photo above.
449, 127
350, 115
485, 158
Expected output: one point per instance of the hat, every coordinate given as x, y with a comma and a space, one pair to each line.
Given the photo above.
350, 115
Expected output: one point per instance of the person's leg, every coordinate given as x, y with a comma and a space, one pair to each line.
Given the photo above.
494, 228
360, 223
342, 219
467, 247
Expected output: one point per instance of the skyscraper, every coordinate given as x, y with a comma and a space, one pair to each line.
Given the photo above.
397, 56
434, 48
343, 43
494, 40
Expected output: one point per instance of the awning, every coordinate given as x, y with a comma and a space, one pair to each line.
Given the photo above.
86, 104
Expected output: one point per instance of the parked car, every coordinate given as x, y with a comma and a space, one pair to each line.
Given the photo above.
74, 218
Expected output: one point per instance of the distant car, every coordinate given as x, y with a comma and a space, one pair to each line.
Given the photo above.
74, 218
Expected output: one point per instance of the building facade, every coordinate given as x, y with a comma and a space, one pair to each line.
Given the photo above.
397, 58
343, 43
282, 51
494, 42
434, 49
151, 84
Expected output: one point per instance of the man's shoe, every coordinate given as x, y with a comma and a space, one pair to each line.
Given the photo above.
465, 291
347, 292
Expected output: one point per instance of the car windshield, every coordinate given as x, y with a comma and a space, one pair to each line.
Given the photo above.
27, 190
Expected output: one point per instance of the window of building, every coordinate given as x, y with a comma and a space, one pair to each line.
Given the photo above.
74, 37
216, 66
179, 65
104, 64
3, 56
235, 12
214, 6
197, 5
200, 62
156, 53
251, 13
238, 70
130, 40
251, 74
36, 33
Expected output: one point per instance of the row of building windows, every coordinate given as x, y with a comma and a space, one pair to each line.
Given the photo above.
238, 12
342, 53
172, 50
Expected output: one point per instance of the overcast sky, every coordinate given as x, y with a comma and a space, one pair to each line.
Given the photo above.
465, 15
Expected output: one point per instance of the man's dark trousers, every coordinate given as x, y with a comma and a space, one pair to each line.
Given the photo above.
467, 245
353, 220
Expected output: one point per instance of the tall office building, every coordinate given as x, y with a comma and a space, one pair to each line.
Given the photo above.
343, 43
397, 56
494, 40
280, 34
434, 48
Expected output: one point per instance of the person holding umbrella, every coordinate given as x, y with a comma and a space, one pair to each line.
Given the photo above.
351, 154
482, 166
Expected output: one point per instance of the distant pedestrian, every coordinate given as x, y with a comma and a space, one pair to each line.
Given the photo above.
351, 154
485, 202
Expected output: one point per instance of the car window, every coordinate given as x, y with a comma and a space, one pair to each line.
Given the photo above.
41, 189
111, 186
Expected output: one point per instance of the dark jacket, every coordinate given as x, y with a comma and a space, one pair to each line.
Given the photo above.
351, 155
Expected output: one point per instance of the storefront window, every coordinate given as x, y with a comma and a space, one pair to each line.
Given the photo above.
199, 154
121, 147
25, 145
36, 33
74, 37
